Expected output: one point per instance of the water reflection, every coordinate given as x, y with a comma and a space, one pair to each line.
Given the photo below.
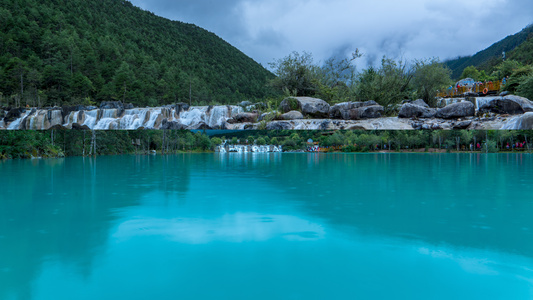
462, 215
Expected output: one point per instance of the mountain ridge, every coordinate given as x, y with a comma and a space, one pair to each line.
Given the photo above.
492, 55
90, 51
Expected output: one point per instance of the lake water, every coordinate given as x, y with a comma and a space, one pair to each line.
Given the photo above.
268, 226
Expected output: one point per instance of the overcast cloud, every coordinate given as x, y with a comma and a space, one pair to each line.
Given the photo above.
271, 29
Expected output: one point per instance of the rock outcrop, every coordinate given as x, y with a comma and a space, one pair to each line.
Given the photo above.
420, 102
292, 115
410, 110
502, 106
279, 125
246, 118
172, 125
342, 110
313, 107
13, 114
457, 110
527, 105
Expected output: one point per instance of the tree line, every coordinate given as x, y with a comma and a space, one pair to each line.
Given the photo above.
394, 140
58, 52
61, 143
337, 80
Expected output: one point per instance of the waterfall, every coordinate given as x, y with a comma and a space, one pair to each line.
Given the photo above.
154, 114
482, 101
15, 125
132, 119
195, 115
72, 118
90, 118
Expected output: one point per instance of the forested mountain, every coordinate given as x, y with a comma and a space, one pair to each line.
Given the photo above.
57, 52
490, 57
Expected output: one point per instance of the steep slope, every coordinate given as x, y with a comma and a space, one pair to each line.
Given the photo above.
72, 51
491, 56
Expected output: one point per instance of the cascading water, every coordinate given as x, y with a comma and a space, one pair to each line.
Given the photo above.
154, 114
90, 118
195, 115
15, 125
482, 101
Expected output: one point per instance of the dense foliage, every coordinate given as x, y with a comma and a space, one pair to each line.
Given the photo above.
337, 80
396, 140
59, 143
517, 46
56, 52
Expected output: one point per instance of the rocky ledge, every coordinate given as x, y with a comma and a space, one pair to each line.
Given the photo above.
295, 113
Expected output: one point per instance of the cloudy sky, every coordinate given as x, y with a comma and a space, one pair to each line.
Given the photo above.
271, 29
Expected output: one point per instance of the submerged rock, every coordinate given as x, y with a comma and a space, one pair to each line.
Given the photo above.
457, 110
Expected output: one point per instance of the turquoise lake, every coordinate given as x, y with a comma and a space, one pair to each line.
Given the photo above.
268, 226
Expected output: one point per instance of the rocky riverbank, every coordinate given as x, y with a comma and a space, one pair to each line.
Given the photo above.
298, 113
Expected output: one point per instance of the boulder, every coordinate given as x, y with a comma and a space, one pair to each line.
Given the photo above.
199, 126
462, 125
342, 110
366, 112
180, 107
111, 105
279, 125
312, 107
129, 106
246, 118
66, 110
292, 115
527, 105
420, 102
503, 106
289, 104
57, 127
457, 110
13, 114
172, 125
76, 126
410, 110
269, 116
245, 103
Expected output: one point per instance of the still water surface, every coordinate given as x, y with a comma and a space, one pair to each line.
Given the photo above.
268, 226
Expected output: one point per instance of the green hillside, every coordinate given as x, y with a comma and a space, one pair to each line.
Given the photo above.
56, 52
492, 56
